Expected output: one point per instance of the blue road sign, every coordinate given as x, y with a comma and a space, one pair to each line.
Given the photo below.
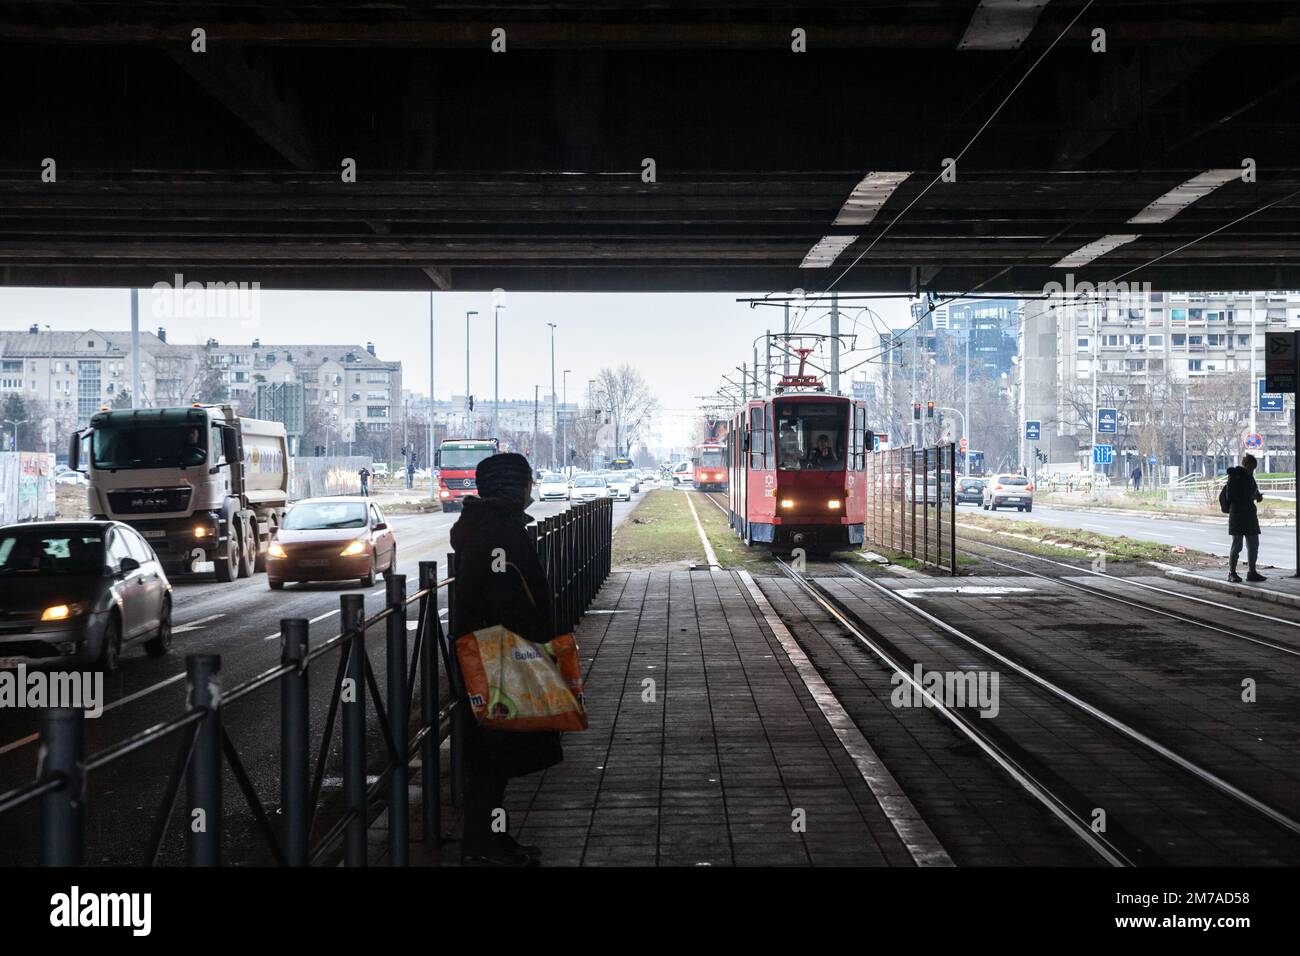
1269, 401
1153, 460
1107, 421
875, 442
1101, 454
1033, 430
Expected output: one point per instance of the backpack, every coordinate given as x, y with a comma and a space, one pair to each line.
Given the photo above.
1224, 505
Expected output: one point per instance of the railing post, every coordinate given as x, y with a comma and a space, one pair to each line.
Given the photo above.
952, 513
295, 717
203, 775
458, 715
63, 740
353, 608
430, 752
399, 724
925, 503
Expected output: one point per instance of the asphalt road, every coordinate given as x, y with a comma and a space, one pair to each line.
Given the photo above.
1277, 546
240, 621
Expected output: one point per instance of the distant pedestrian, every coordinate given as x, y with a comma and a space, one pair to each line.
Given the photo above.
1240, 494
364, 475
1136, 476
515, 594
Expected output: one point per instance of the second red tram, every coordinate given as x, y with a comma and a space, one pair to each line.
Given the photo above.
798, 471
711, 468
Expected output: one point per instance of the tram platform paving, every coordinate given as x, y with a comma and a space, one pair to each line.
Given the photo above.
704, 745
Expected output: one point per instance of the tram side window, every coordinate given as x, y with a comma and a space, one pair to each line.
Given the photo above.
757, 438
860, 439
811, 435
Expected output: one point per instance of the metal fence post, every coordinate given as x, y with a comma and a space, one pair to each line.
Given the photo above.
353, 698
399, 725
458, 715
203, 776
952, 510
295, 717
63, 740
430, 751
925, 503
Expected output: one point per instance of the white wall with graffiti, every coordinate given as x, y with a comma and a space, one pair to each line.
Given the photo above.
26, 486
312, 477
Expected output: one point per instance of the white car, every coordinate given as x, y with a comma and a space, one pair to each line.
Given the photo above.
588, 488
620, 488
64, 475
683, 473
553, 488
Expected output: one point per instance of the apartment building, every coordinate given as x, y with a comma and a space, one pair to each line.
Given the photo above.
1167, 347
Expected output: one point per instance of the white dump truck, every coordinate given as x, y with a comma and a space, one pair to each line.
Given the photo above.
199, 482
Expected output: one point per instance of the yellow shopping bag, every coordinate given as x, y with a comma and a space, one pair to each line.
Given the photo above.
513, 684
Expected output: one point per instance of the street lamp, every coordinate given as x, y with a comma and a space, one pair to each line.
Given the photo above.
554, 417
49, 392
564, 444
496, 369
10, 421
966, 470
467, 315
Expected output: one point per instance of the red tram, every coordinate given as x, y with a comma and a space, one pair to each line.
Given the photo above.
798, 470
711, 468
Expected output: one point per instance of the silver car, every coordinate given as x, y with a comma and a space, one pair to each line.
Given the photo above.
76, 592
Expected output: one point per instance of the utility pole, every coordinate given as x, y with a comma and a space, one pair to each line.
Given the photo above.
916, 425
536, 390
564, 430
49, 392
965, 422
554, 411
1254, 387
468, 429
135, 348
767, 363
433, 488
835, 343
785, 350
496, 370
1096, 357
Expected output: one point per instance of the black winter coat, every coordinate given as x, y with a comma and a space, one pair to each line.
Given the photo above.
485, 597
1242, 493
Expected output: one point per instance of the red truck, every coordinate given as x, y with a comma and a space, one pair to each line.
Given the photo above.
457, 458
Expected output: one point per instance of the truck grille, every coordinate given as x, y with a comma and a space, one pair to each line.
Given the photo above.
143, 501
460, 483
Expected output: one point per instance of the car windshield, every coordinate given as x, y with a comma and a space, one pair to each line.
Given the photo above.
711, 458
1017, 480
142, 445
326, 515
64, 552
810, 435
589, 482
464, 459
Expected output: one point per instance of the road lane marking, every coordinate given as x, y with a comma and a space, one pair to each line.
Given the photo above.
195, 625
271, 637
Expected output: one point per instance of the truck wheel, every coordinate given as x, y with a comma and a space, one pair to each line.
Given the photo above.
247, 551
259, 562
227, 565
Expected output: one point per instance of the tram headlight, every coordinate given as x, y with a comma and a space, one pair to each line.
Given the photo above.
787, 502
833, 504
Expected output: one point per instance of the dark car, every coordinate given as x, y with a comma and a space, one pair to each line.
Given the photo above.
77, 592
331, 539
970, 489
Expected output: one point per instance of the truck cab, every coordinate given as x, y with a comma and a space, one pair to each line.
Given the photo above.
457, 460
199, 483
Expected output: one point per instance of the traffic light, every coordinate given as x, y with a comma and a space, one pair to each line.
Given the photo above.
916, 412
929, 409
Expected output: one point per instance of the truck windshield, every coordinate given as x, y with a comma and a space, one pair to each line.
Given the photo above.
810, 435
458, 459
311, 516
142, 445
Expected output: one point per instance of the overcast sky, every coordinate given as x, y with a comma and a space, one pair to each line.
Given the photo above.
681, 343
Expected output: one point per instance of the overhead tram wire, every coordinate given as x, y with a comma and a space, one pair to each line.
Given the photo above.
957, 159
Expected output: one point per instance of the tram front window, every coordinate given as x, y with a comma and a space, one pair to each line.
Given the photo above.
810, 435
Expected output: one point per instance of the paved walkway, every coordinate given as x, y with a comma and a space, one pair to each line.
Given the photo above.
705, 745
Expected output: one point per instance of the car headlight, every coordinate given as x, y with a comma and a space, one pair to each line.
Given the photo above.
356, 547
200, 532
276, 551
60, 612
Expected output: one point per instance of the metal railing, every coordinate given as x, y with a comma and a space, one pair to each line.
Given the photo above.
575, 549
912, 505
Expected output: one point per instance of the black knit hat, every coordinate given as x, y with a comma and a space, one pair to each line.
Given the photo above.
506, 476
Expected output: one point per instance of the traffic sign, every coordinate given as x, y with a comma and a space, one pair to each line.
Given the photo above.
1033, 430
875, 443
964, 445
1101, 454
1269, 401
1254, 441
1107, 420
1280, 361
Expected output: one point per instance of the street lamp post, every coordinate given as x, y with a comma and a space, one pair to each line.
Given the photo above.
553, 408
49, 392
21, 421
467, 315
496, 370
564, 432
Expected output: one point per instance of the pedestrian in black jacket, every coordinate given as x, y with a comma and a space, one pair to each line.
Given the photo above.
496, 572
1242, 493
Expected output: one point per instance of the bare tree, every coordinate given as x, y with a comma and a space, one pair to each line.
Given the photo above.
623, 393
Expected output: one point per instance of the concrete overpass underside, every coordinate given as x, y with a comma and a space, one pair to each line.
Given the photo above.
524, 169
